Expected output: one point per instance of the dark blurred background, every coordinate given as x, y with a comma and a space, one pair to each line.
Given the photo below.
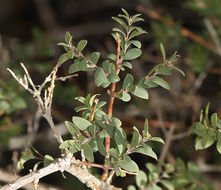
29, 32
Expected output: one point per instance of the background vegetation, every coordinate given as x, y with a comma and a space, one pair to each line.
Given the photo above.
29, 31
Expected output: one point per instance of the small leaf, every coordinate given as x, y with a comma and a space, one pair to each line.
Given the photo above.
199, 129
135, 43
127, 64
100, 145
95, 57
135, 138
214, 120
111, 56
162, 49
146, 128
218, 146
161, 82
64, 57
88, 153
100, 77
140, 92
128, 81
81, 45
146, 150
115, 122
36, 166
156, 139
131, 187
48, 160
128, 164
114, 153
74, 68
120, 21
120, 138
100, 104
113, 78
67, 144
72, 128
164, 71
132, 54
125, 97
81, 123
141, 179
178, 69
68, 37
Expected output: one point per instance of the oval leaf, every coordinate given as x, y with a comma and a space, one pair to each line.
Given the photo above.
81, 123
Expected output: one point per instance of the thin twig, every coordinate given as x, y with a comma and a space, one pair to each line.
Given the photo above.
67, 77
213, 34
168, 141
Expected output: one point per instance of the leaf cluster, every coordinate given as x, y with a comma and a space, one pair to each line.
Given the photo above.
167, 176
208, 130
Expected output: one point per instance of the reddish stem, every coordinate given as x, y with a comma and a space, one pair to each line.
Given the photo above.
111, 103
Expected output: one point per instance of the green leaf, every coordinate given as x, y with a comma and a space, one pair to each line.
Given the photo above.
100, 104
91, 101
146, 150
81, 45
88, 153
141, 179
125, 97
164, 71
138, 31
80, 99
36, 166
140, 92
204, 142
218, 144
168, 184
80, 108
131, 187
162, 49
146, 128
114, 153
128, 164
199, 129
113, 78
70, 54
120, 138
48, 160
100, 77
81, 123
67, 144
111, 56
214, 120
178, 69
95, 57
161, 82
128, 81
156, 139
72, 128
135, 138
100, 145
74, 68
120, 21
132, 54
135, 43
106, 66
125, 12
64, 57
127, 64
68, 37
115, 122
